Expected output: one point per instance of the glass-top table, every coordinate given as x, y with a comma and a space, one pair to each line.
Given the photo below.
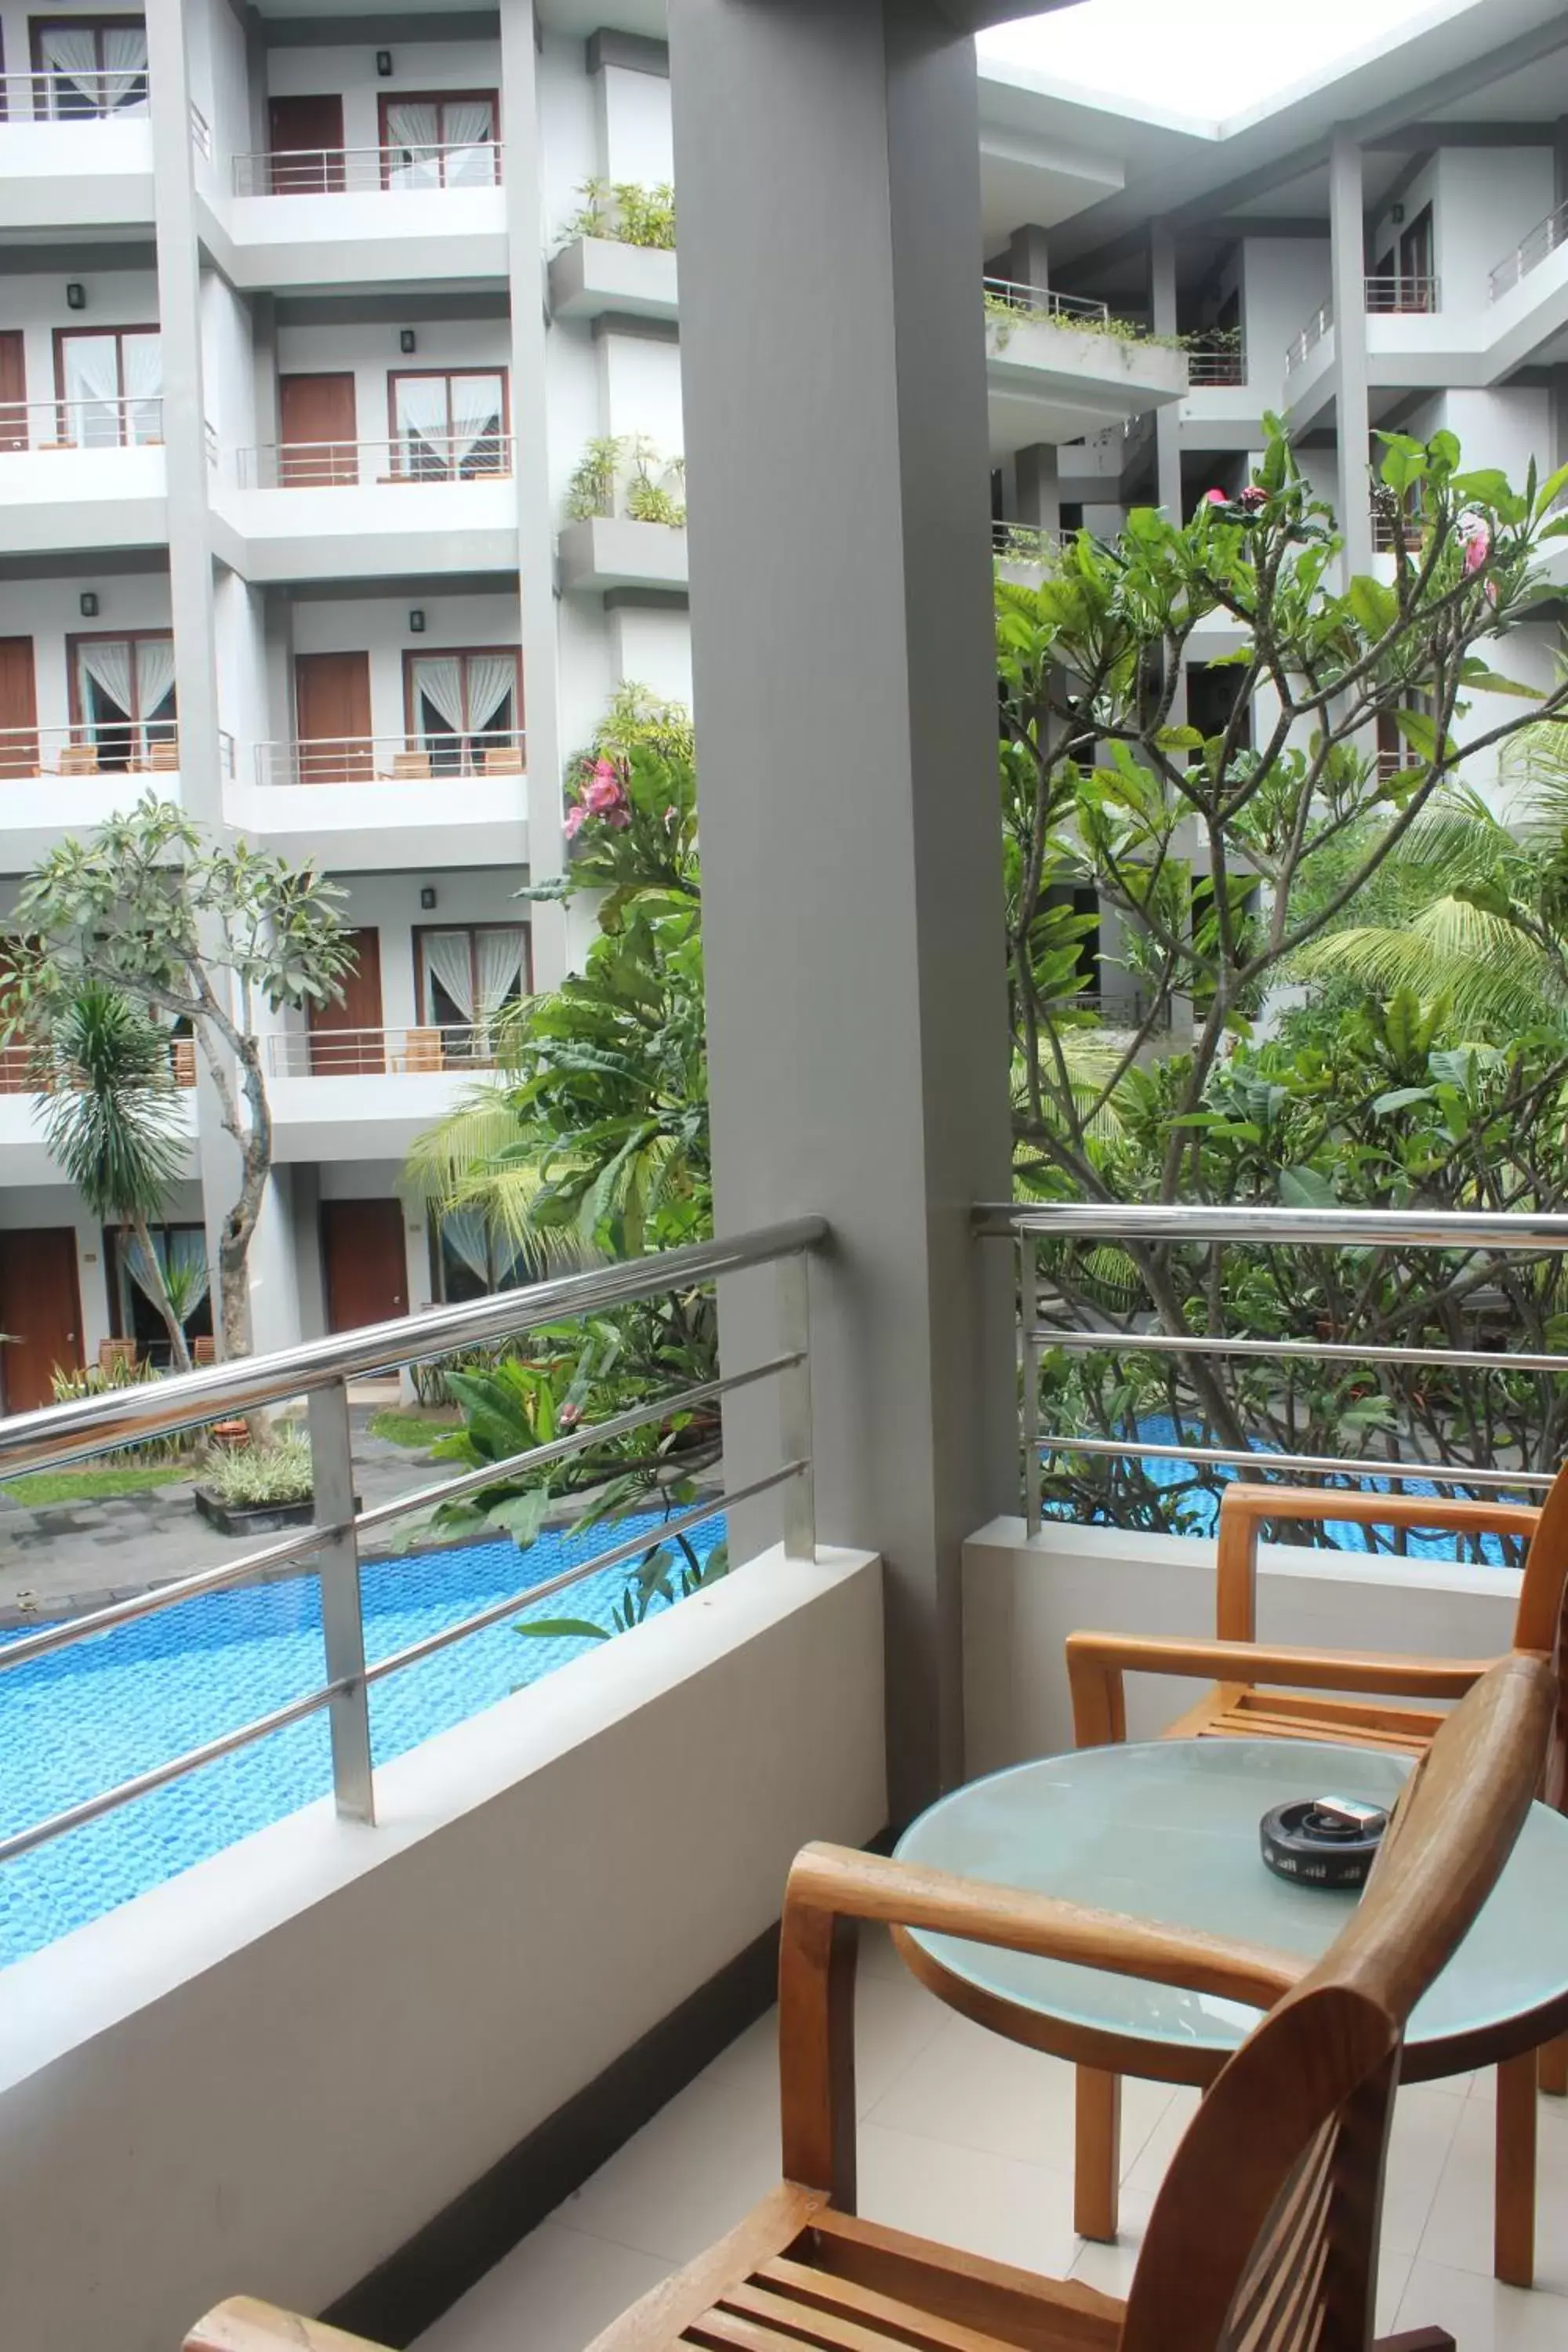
1169, 1830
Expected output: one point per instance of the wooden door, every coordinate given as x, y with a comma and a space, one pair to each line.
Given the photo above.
331, 695
345, 1037
364, 1262
318, 427
13, 391
18, 708
41, 1314
306, 139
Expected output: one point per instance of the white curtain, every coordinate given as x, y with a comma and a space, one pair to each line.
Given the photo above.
491, 677
501, 967
182, 1251
438, 681
106, 662
70, 49
422, 424
412, 132
448, 958
125, 68
155, 682
141, 357
470, 128
92, 387
463, 1233
476, 417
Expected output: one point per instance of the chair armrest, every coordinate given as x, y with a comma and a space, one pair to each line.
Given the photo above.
244, 2325
829, 1886
1097, 1664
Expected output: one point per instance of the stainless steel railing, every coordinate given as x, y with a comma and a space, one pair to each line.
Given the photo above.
1313, 333
1130, 1226
1528, 253
339, 170
320, 1370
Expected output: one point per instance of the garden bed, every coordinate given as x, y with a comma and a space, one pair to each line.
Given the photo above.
256, 1519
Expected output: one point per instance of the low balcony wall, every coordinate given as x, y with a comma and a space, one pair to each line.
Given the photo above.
594, 274
267, 2075
385, 825
76, 175
55, 500
1023, 1596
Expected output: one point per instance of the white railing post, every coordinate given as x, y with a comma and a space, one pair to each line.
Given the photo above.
1028, 1324
343, 1621
795, 1405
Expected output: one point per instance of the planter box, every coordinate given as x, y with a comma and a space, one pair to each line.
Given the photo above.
256, 1519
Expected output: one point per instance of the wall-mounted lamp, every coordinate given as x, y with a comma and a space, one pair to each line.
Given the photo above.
1396, 214
384, 62
427, 897
406, 340
76, 295
90, 604
416, 622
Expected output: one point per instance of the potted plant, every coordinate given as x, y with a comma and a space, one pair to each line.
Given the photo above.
260, 1490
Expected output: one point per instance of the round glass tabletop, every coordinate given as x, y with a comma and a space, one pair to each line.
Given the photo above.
1169, 1830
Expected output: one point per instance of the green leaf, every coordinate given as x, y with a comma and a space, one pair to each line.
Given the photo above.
522, 1517
1180, 739
1549, 490
558, 1628
1306, 1188
1401, 1099
1489, 681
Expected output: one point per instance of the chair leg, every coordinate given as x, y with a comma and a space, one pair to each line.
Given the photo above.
1097, 2173
1513, 2239
1553, 2057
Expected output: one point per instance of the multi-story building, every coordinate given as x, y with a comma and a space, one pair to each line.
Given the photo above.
307, 322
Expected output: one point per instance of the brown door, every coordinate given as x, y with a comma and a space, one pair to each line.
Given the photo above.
331, 695
305, 137
18, 709
318, 426
345, 1036
41, 1314
13, 391
363, 1260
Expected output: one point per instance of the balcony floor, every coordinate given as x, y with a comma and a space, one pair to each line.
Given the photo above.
965, 2137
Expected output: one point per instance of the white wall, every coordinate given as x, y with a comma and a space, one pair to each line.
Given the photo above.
1283, 280
265, 2076
641, 381
1486, 198
48, 611
419, 67
654, 649
229, 366
632, 117
568, 139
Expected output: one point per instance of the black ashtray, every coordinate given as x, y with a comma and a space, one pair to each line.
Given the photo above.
1324, 1840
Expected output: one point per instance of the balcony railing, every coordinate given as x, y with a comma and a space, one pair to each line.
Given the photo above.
1041, 302
1138, 1232
1528, 253
379, 1052
410, 457
1403, 294
1313, 333
52, 96
121, 746
116, 423
1225, 365
1024, 542
358, 171
321, 1371
391, 759
19, 1068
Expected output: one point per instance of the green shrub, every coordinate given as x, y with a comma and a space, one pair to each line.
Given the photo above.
273, 1473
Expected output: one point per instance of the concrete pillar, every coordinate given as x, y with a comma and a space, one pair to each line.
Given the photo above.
530, 465
846, 710
1029, 259
1347, 281
1036, 492
1167, 420
1560, 162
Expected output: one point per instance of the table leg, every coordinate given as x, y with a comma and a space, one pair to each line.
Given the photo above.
1098, 2170
1515, 2219
1553, 2057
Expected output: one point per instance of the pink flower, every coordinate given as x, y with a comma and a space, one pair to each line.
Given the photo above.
1255, 495
1477, 545
1215, 499
569, 1416
606, 772
671, 816
602, 792
576, 816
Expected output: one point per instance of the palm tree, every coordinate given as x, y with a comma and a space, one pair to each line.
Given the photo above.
111, 1124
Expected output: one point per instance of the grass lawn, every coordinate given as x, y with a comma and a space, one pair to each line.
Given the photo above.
412, 1429
93, 1485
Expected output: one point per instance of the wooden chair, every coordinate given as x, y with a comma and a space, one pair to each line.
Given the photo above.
503, 760
1254, 1690
1264, 2233
411, 767
116, 1355
79, 759
422, 1050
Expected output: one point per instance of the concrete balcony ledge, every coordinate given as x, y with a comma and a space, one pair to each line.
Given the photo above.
384, 826
595, 274
54, 501
1054, 382
372, 237
83, 174
363, 529
607, 551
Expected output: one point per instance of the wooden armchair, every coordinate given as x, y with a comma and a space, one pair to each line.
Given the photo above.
1265, 2231
1255, 1691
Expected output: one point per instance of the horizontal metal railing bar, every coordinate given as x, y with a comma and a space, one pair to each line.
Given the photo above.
1351, 1465
1150, 1222
1313, 1351
492, 1616
67, 1432
75, 1817
43, 1643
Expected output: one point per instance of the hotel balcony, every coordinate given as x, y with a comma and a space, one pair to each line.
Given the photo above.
75, 150
1057, 368
24, 1158
380, 803
56, 783
360, 216
595, 274
610, 552
346, 1095
78, 474
359, 510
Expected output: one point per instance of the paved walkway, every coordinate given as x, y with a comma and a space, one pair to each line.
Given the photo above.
59, 1558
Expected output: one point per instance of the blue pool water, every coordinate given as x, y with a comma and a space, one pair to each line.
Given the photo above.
98, 1713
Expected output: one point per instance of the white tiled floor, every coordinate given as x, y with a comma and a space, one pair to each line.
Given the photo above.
967, 2139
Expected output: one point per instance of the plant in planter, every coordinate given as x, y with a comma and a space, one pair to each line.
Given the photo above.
651, 499
591, 491
256, 1489
624, 212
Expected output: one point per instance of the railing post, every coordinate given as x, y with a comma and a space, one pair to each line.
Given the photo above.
342, 1623
795, 1405
1028, 1324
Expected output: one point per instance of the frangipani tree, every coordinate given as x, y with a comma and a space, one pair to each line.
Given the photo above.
188, 931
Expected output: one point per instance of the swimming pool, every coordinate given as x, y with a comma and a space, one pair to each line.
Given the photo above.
89, 1716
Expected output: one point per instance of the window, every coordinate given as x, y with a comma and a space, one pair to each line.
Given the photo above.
448, 427
123, 698
181, 1254
467, 976
470, 1260
109, 380
86, 66
465, 709
441, 139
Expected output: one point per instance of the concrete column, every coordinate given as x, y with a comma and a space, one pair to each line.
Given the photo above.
530, 467
1036, 492
846, 730
1029, 256
1560, 162
263, 309
1167, 420
1347, 281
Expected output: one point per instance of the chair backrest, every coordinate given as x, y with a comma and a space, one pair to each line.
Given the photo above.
1541, 1624
1264, 2233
